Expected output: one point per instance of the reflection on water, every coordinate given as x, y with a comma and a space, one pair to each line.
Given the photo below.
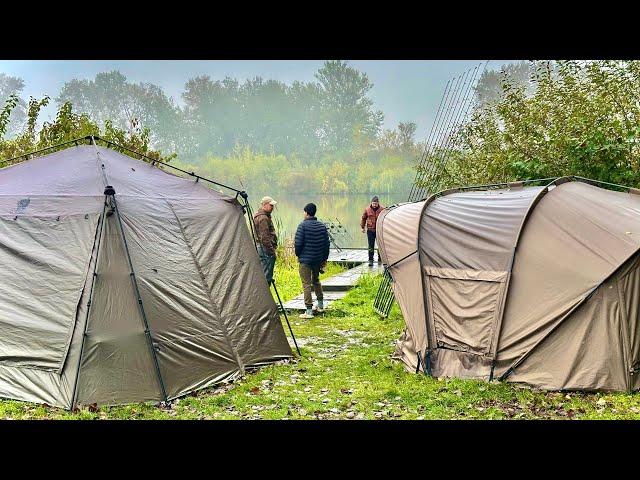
345, 210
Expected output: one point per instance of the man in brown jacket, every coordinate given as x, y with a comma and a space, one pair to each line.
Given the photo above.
266, 236
369, 218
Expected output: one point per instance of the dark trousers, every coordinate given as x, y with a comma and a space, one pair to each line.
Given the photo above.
268, 262
371, 237
310, 276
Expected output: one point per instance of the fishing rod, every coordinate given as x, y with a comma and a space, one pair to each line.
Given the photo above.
430, 136
428, 171
454, 134
441, 129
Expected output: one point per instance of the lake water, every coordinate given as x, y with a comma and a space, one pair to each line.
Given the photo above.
343, 211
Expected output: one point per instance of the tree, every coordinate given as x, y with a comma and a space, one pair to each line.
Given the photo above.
127, 105
13, 86
345, 108
213, 114
581, 118
67, 126
493, 83
406, 131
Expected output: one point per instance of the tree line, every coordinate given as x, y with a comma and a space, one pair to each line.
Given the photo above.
531, 120
329, 124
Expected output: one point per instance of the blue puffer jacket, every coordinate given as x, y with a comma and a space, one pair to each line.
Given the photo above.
312, 242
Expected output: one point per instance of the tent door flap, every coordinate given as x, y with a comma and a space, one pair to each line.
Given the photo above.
45, 263
463, 307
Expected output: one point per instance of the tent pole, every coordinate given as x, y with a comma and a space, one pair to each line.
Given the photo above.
247, 206
28, 154
427, 363
94, 275
111, 193
285, 316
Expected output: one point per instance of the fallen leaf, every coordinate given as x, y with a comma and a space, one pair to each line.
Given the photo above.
255, 390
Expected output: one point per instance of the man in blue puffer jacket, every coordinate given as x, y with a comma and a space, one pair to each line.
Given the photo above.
312, 250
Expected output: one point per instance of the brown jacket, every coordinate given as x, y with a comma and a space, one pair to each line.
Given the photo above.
265, 231
370, 217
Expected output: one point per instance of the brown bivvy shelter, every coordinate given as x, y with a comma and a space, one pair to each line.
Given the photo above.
534, 284
121, 282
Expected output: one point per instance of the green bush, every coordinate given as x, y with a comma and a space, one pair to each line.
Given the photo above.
572, 118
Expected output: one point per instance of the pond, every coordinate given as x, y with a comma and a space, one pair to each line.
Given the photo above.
341, 212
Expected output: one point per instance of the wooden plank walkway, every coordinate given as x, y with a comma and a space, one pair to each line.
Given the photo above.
348, 256
336, 287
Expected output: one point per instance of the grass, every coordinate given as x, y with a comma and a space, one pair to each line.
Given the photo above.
346, 373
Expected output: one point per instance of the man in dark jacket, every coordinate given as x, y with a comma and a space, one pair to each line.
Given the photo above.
312, 250
266, 236
370, 217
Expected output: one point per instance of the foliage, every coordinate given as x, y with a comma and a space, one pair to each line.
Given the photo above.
489, 88
67, 126
345, 108
581, 118
306, 137
110, 98
330, 115
275, 173
10, 90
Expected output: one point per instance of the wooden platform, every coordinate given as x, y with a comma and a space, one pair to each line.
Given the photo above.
348, 256
336, 287
344, 281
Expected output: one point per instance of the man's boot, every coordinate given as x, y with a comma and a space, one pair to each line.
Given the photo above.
307, 314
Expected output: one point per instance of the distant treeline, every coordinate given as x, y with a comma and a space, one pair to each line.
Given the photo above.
323, 135
530, 120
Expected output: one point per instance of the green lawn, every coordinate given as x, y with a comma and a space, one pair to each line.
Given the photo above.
346, 373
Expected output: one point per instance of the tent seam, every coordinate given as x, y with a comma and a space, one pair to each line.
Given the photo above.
519, 361
206, 289
505, 297
97, 243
